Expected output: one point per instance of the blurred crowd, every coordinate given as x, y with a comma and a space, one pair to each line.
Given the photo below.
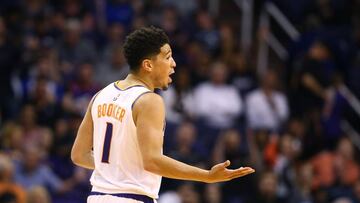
286, 123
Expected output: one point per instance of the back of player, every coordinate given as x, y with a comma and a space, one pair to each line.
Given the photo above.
108, 139
117, 157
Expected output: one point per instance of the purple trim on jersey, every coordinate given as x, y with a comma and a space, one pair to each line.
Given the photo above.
107, 143
132, 105
141, 198
127, 87
94, 97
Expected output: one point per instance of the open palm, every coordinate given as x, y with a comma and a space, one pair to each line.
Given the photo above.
220, 172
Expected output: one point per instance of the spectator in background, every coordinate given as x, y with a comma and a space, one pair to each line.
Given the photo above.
113, 68
185, 193
88, 27
169, 196
9, 191
199, 61
206, 32
333, 112
242, 75
115, 36
339, 166
229, 147
285, 164
31, 171
33, 133
188, 193
216, 102
262, 148
213, 193
267, 188
38, 194
30, 55
62, 166
178, 98
12, 140
302, 190
44, 102
81, 90
170, 20
313, 79
227, 42
74, 49
185, 148
266, 107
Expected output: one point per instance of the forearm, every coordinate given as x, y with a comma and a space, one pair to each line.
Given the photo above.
171, 168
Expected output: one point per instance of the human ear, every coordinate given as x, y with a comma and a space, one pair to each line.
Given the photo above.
147, 65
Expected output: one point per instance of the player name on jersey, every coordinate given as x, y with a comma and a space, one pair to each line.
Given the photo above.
111, 110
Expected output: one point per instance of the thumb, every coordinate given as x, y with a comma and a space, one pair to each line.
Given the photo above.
226, 163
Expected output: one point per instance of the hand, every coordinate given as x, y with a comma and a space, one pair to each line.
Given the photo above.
220, 173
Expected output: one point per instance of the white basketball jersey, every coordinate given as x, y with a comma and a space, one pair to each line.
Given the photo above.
118, 161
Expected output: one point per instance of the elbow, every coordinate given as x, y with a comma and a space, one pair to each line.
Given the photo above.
149, 168
75, 158
150, 165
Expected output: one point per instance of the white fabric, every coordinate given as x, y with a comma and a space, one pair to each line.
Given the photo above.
124, 172
110, 199
169, 196
219, 104
259, 113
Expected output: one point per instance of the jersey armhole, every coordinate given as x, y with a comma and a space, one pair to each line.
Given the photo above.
132, 105
92, 101
138, 97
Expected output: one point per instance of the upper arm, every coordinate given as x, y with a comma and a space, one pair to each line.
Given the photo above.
84, 139
149, 116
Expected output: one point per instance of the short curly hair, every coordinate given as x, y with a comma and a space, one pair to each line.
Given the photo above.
143, 43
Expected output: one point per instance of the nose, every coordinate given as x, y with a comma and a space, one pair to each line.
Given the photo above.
173, 63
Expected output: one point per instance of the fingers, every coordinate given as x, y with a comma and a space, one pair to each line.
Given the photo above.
242, 171
222, 166
226, 163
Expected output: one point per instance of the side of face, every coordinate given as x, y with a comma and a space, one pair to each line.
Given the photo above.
163, 66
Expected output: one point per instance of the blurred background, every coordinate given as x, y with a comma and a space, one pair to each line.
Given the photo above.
269, 84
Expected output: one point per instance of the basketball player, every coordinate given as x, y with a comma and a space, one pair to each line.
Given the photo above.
121, 135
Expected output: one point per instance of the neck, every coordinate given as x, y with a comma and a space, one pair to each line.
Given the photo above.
140, 80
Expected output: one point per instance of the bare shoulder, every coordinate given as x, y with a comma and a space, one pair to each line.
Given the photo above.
149, 100
149, 105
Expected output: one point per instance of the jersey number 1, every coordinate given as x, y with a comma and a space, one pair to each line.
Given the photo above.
107, 143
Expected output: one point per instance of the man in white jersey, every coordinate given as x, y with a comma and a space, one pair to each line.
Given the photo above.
121, 135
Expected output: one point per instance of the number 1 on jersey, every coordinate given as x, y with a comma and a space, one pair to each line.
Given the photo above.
107, 143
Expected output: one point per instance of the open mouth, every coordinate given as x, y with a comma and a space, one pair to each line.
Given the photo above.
170, 79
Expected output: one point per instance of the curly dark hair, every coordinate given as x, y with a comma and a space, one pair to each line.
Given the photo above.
143, 43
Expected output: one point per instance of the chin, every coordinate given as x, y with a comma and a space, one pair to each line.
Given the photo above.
165, 87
